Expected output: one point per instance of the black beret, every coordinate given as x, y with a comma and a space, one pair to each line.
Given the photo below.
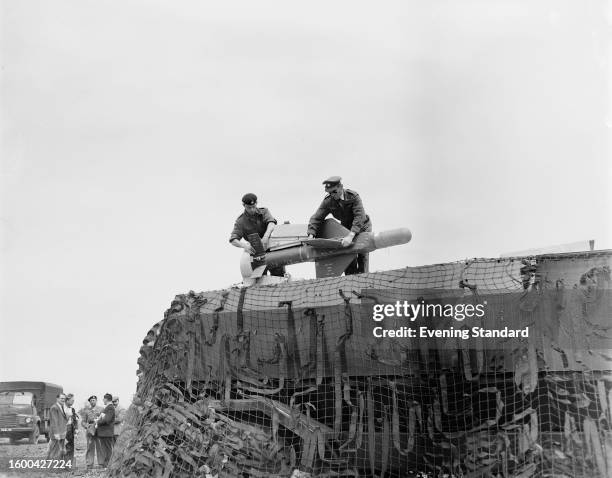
332, 181
249, 199
93, 396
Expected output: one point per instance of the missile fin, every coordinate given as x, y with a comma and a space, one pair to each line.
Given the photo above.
333, 266
255, 241
323, 243
258, 272
285, 245
331, 229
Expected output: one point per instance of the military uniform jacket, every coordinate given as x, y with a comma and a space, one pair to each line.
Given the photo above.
88, 415
349, 211
246, 224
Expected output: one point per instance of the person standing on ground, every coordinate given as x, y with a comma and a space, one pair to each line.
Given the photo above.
119, 417
105, 424
72, 429
89, 415
57, 432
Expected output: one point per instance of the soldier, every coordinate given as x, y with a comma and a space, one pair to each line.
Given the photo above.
254, 220
119, 417
346, 206
89, 416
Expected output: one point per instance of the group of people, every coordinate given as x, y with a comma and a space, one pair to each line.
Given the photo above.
102, 426
63, 428
343, 204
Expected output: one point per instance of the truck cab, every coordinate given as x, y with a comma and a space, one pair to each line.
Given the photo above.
18, 416
24, 409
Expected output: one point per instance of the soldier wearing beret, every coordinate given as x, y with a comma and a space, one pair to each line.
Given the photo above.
254, 220
89, 415
346, 206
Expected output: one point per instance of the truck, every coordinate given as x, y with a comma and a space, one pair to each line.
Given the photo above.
24, 409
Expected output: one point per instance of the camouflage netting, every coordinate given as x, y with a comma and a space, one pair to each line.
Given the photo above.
266, 380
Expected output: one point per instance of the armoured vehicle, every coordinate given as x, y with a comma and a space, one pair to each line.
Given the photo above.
298, 378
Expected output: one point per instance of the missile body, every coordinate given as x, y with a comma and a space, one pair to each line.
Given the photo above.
328, 254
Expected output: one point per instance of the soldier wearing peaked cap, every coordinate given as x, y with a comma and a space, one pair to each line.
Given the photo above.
345, 205
254, 220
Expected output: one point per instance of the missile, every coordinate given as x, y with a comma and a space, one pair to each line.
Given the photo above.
326, 251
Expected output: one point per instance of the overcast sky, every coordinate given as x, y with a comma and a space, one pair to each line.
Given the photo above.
131, 129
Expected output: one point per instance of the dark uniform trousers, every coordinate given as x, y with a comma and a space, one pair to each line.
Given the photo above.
106, 450
69, 455
362, 261
359, 265
276, 271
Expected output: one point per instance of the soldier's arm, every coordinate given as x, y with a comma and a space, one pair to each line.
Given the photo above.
236, 234
243, 245
359, 215
235, 237
271, 224
266, 237
317, 218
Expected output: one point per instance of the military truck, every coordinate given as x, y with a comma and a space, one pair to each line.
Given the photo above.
24, 409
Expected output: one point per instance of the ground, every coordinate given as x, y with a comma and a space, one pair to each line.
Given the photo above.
23, 450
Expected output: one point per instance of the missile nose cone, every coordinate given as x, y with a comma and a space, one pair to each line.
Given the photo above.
245, 265
393, 237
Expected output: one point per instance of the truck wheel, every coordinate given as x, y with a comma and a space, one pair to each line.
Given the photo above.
33, 438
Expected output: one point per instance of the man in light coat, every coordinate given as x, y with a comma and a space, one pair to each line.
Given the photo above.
57, 429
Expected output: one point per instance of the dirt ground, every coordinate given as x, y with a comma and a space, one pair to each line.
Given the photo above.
23, 450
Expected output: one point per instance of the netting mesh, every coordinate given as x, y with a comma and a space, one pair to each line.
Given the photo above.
267, 380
